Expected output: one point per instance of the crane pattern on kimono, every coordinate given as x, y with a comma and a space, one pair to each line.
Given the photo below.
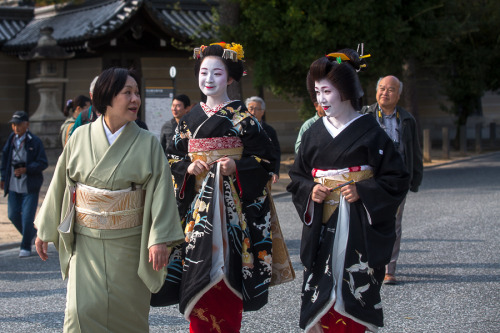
362, 267
356, 292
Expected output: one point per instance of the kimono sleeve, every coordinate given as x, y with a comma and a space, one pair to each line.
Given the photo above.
380, 198
258, 159
382, 194
302, 181
51, 211
160, 201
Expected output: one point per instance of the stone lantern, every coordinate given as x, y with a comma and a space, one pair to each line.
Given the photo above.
47, 119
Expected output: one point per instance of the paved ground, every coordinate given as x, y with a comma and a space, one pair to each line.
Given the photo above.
449, 266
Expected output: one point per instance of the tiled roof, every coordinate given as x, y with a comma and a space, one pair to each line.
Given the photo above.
74, 25
188, 21
12, 21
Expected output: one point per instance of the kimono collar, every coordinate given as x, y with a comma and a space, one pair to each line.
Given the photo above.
107, 157
209, 112
111, 136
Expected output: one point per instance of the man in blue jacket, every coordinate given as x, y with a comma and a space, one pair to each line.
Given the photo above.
23, 160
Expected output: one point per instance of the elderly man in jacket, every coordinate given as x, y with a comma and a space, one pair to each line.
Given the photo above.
401, 127
23, 160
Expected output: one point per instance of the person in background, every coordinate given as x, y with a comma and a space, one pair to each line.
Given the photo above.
180, 106
114, 184
23, 160
401, 127
347, 182
257, 107
305, 126
88, 116
72, 110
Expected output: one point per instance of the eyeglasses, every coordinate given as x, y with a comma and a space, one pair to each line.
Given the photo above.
251, 109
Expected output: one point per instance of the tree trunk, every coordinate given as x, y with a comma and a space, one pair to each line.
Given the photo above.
410, 91
229, 11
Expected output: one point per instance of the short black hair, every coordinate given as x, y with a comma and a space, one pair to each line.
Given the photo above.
342, 75
110, 82
234, 69
184, 99
71, 105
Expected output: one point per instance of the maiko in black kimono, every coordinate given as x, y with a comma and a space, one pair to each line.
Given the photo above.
344, 253
226, 218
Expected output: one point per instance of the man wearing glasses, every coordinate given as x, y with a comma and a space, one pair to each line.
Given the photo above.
401, 127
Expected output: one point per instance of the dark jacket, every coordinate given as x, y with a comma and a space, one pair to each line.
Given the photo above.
36, 162
409, 138
167, 133
274, 138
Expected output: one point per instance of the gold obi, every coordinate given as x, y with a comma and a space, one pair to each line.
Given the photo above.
209, 154
333, 199
105, 209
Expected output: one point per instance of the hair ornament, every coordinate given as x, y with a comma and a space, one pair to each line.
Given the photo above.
68, 102
232, 51
361, 56
338, 56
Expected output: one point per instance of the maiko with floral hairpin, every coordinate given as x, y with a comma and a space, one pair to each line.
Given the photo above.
221, 160
347, 182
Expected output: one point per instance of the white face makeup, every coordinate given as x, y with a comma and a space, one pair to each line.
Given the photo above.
213, 78
329, 98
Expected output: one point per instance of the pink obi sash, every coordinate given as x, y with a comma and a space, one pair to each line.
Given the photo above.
207, 144
210, 150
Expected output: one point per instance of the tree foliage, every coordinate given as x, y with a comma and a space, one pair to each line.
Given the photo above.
454, 41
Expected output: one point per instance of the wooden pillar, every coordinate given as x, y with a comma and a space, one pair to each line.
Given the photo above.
463, 140
479, 128
446, 144
427, 146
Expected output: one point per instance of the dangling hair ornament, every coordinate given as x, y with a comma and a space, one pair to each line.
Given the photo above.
361, 56
232, 51
198, 52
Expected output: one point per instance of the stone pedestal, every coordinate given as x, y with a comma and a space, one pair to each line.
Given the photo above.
47, 119
48, 132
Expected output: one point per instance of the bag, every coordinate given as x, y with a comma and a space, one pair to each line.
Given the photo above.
282, 269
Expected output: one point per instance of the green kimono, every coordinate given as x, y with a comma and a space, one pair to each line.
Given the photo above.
135, 157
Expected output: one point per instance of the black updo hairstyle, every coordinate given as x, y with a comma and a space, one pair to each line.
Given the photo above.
343, 76
234, 68
79, 101
110, 82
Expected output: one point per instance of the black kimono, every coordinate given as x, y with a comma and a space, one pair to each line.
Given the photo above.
236, 204
369, 236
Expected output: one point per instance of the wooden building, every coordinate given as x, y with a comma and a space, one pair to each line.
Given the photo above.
148, 35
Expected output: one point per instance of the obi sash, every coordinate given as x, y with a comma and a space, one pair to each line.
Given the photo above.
334, 178
104, 209
210, 150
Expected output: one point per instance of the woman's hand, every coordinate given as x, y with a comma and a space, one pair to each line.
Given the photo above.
198, 167
350, 193
227, 166
275, 178
158, 255
41, 248
319, 193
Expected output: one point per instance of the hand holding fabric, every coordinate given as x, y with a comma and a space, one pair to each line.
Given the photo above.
319, 193
350, 193
197, 167
227, 166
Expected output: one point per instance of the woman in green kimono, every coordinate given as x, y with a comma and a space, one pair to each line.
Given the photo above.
111, 213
